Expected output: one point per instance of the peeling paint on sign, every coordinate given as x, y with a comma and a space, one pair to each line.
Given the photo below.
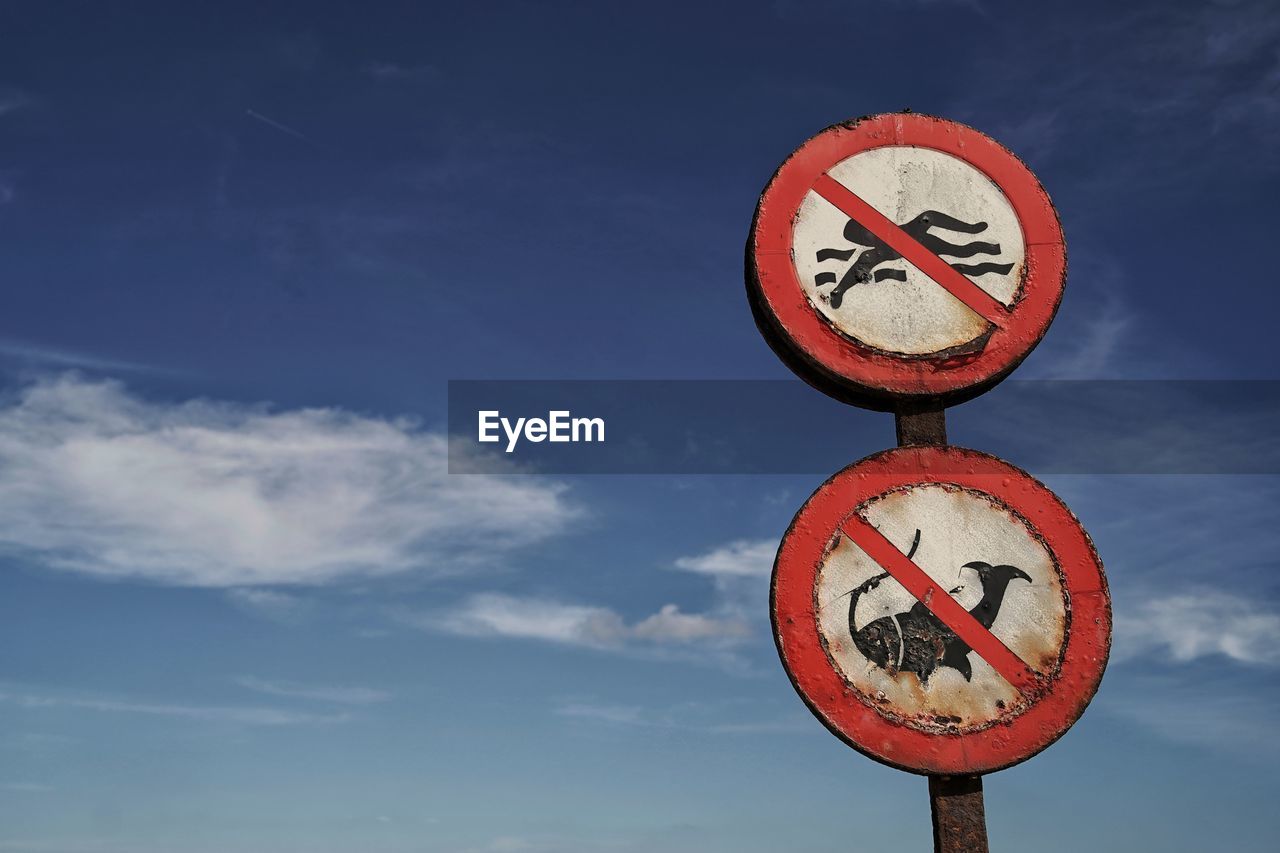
876, 296
941, 610
989, 559
903, 257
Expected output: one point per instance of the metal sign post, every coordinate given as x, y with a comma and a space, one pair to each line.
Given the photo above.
959, 819
938, 609
955, 802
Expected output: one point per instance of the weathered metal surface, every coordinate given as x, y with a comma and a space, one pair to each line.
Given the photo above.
904, 256
964, 536
881, 299
941, 610
959, 816
920, 424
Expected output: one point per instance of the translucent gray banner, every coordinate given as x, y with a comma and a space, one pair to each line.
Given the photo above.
785, 427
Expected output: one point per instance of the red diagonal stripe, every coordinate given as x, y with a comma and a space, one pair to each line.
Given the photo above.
851, 205
941, 604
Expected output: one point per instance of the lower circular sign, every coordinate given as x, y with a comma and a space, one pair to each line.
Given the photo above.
941, 611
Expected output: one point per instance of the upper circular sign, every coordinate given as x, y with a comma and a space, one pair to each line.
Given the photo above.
941, 610
903, 256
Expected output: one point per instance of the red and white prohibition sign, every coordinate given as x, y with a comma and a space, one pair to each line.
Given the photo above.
941, 610
903, 255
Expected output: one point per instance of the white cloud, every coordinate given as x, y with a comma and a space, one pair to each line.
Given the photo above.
743, 558
671, 625
242, 715
277, 606
496, 615
739, 570
1197, 624
217, 494
340, 695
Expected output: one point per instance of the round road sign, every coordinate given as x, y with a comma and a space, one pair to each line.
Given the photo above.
904, 256
941, 611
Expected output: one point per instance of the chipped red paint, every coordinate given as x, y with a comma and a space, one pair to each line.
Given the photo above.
850, 371
1061, 697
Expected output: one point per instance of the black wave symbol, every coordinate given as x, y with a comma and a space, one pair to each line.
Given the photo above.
877, 252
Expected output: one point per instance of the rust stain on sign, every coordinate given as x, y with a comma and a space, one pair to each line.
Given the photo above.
1011, 644
895, 655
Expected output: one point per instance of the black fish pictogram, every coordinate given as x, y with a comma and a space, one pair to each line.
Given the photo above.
916, 640
878, 252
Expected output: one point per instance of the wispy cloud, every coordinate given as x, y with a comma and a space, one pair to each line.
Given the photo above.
1093, 335
283, 607
340, 695
241, 715
285, 129
497, 615
671, 625
738, 569
203, 493
743, 558
1089, 347
54, 357
1200, 623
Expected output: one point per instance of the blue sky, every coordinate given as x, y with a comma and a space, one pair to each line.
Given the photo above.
244, 246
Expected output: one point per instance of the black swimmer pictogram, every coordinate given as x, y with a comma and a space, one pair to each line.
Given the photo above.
868, 265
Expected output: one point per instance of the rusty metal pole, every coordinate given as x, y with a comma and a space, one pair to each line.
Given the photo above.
959, 817
920, 424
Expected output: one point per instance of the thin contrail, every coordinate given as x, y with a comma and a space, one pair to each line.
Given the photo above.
284, 129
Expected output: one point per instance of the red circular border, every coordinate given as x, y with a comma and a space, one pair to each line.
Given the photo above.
839, 359
835, 702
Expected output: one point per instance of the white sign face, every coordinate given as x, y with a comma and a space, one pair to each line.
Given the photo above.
869, 292
894, 652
